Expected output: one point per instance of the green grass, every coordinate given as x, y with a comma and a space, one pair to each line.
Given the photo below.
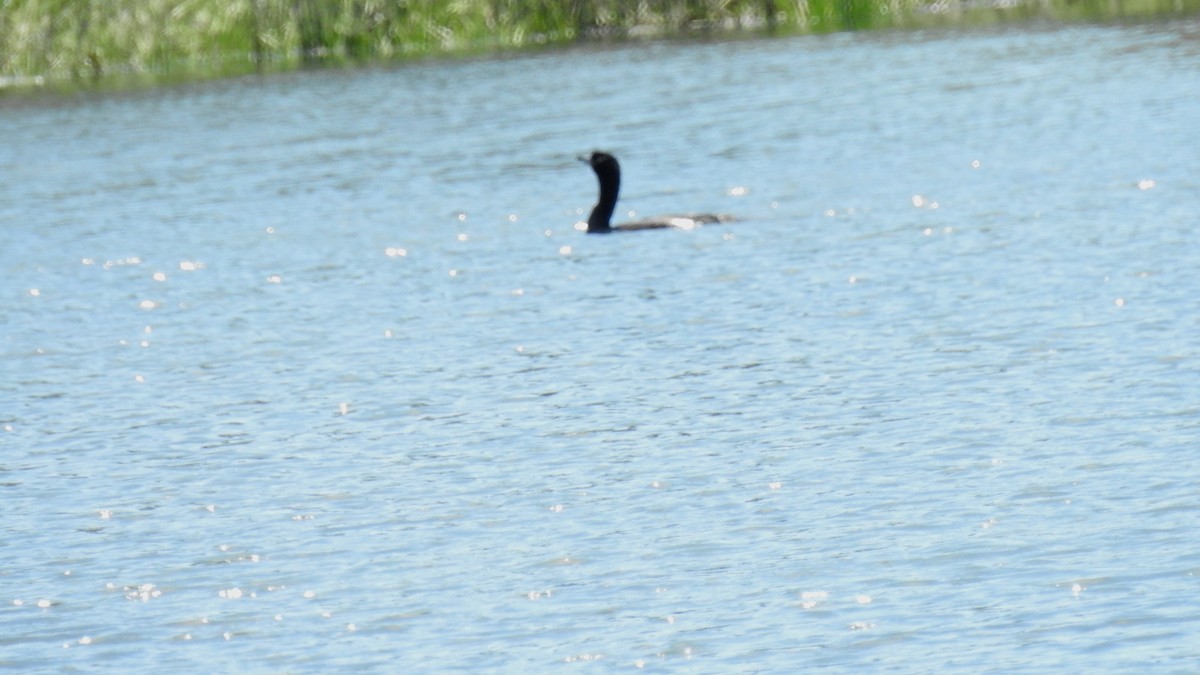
78, 41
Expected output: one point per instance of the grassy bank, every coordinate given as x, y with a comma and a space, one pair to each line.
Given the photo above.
47, 41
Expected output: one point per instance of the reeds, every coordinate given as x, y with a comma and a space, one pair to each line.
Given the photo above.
55, 40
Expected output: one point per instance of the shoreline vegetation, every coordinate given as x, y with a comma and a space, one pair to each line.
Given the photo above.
69, 44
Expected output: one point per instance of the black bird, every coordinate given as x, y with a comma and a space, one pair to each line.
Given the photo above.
608, 172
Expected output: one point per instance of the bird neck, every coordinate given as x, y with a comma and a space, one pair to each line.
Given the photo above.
610, 185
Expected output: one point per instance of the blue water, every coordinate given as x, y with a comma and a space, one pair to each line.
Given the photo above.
313, 372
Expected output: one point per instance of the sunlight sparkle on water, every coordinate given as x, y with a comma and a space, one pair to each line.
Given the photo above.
142, 593
810, 599
122, 262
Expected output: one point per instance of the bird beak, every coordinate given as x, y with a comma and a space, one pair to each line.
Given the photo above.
584, 159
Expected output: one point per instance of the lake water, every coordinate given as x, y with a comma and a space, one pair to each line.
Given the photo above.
313, 372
